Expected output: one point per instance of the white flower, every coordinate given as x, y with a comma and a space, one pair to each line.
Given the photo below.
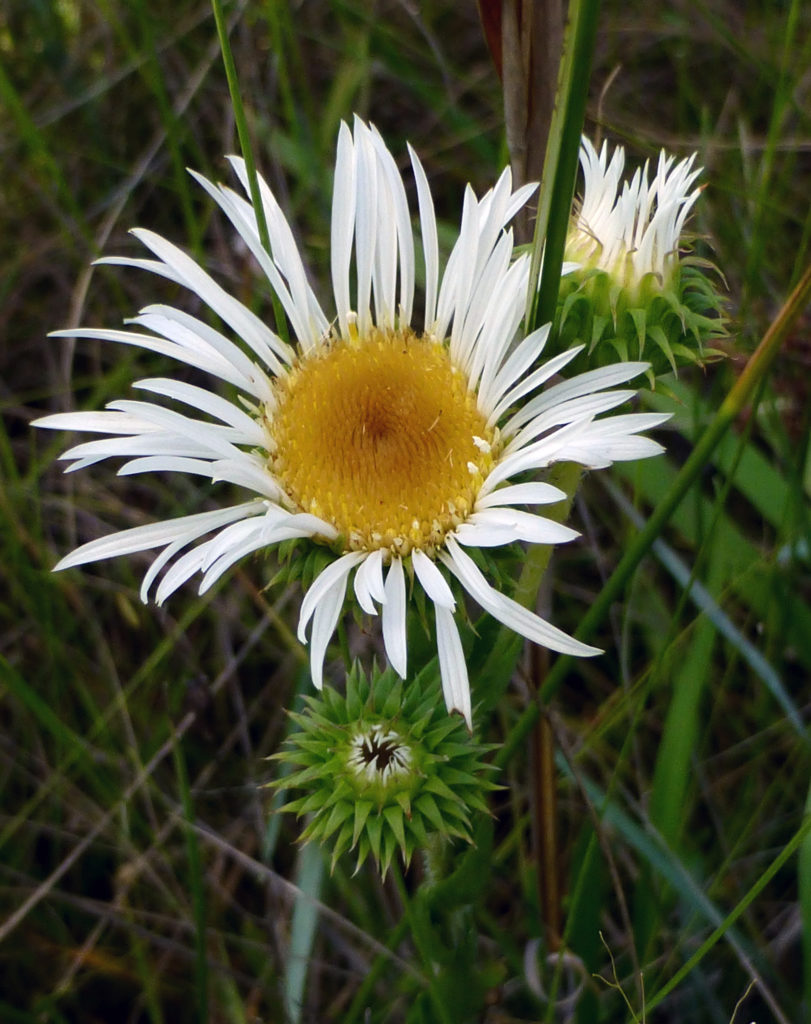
631, 229
394, 445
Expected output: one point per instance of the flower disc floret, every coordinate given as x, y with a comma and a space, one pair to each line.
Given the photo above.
381, 437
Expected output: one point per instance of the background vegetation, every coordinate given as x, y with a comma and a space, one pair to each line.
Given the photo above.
142, 874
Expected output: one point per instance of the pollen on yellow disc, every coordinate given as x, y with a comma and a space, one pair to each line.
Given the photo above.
381, 437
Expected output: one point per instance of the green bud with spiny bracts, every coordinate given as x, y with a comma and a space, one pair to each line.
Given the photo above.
383, 767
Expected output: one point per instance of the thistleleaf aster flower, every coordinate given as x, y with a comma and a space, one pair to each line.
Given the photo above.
393, 444
635, 284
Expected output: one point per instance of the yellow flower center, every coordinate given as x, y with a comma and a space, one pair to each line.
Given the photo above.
381, 437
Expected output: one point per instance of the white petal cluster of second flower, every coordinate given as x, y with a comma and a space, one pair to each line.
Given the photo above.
476, 306
631, 229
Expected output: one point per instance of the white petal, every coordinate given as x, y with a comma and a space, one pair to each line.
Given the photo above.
190, 333
286, 255
365, 222
452, 665
208, 402
182, 571
433, 582
484, 535
525, 353
218, 438
167, 464
95, 422
369, 582
155, 535
203, 360
324, 623
342, 227
581, 408
430, 245
405, 237
250, 471
519, 199
507, 611
523, 387
527, 526
243, 218
267, 345
394, 618
328, 578
519, 494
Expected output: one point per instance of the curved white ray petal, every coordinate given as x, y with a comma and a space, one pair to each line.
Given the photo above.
202, 360
322, 584
365, 222
431, 579
286, 254
267, 345
535, 493
581, 408
523, 387
507, 611
452, 664
242, 217
168, 464
221, 439
430, 245
405, 236
156, 535
324, 623
207, 402
180, 572
362, 592
191, 333
590, 382
484, 535
525, 353
95, 422
369, 578
526, 525
342, 225
394, 618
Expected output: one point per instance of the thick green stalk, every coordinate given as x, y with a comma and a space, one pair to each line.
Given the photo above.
247, 152
560, 162
754, 371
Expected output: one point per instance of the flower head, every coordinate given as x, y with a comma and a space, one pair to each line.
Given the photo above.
635, 285
392, 444
382, 768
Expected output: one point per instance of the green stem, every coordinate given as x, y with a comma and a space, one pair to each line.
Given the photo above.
754, 371
247, 153
560, 162
791, 847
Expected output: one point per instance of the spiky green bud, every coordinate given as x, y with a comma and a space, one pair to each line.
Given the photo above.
383, 767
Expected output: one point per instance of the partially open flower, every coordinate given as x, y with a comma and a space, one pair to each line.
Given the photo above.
638, 290
383, 768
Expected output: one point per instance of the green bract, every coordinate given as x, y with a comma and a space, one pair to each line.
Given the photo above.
668, 324
383, 767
